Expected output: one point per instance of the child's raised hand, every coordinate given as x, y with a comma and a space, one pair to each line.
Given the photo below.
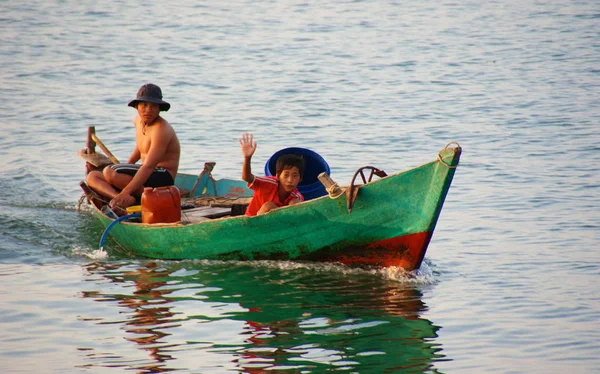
247, 144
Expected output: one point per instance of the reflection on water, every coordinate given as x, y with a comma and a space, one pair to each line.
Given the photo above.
150, 309
217, 317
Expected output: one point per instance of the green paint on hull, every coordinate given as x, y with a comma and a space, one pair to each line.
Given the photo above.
393, 219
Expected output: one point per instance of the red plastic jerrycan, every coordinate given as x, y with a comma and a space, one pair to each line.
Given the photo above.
161, 205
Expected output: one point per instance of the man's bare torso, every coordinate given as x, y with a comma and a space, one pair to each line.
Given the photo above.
162, 134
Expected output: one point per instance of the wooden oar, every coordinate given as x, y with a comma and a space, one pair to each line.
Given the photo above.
104, 149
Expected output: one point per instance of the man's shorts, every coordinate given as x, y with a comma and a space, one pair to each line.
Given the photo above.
159, 178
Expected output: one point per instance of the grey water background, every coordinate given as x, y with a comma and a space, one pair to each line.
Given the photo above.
510, 282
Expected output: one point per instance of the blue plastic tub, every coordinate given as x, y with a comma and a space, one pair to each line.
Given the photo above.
310, 187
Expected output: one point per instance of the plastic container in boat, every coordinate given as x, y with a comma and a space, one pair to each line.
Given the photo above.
161, 205
310, 187
134, 209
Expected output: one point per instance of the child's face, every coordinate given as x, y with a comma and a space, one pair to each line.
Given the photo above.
148, 111
289, 178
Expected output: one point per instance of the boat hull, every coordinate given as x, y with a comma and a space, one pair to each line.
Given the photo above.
390, 223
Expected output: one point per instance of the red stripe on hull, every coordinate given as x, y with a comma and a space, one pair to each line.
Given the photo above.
405, 251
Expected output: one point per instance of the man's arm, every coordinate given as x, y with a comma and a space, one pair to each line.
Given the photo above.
135, 156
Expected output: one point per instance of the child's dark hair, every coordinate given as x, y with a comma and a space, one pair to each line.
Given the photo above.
287, 162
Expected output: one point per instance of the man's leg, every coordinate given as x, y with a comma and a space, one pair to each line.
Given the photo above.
119, 180
96, 180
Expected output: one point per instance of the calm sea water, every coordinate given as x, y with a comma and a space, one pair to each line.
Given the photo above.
510, 283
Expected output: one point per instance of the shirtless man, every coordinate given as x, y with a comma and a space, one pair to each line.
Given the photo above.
156, 145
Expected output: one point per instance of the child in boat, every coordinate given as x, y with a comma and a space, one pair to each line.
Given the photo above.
271, 192
157, 146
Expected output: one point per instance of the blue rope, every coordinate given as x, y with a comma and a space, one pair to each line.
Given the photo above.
113, 223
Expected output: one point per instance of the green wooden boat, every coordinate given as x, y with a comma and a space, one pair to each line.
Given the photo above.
377, 220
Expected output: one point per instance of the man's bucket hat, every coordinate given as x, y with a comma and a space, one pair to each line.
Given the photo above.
150, 93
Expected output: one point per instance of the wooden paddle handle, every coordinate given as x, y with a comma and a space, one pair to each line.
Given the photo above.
104, 149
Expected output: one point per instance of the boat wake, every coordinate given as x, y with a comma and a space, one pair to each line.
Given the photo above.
423, 276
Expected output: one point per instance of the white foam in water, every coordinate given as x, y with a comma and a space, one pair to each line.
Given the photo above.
98, 254
424, 275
